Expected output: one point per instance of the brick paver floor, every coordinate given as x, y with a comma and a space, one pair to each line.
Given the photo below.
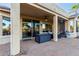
64, 47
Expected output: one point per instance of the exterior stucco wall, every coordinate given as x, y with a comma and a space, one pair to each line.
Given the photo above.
6, 38
74, 33
66, 26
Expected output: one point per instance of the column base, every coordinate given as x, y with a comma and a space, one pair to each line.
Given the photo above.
55, 40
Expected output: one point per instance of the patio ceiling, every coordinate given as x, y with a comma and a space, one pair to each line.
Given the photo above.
28, 10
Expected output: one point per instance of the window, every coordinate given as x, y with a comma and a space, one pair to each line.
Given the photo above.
6, 25
46, 27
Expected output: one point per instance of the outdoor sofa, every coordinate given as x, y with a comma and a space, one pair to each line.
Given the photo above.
40, 38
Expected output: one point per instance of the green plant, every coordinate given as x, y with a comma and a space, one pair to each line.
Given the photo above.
75, 8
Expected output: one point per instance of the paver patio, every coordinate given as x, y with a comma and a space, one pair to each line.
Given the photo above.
64, 47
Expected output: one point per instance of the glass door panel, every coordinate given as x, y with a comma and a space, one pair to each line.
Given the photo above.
27, 29
35, 28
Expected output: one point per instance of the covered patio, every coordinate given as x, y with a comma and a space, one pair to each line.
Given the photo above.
65, 47
37, 14
34, 12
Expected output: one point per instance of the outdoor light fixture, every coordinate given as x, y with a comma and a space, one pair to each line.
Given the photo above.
46, 18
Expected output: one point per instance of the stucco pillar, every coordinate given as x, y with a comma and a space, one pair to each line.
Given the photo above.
68, 26
21, 27
15, 29
1, 27
75, 33
55, 28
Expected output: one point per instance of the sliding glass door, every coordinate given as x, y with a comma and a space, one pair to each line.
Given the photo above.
29, 28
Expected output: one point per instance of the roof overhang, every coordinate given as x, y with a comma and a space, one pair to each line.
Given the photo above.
4, 10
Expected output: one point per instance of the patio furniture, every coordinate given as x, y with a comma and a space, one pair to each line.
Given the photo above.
62, 34
40, 38
51, 34
70, 34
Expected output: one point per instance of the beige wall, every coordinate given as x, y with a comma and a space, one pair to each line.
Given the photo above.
6, 38
66, 26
